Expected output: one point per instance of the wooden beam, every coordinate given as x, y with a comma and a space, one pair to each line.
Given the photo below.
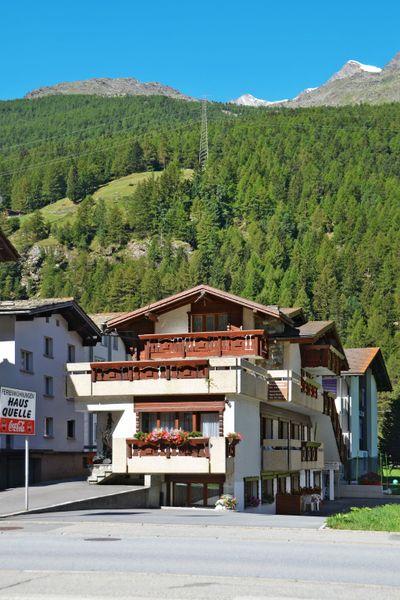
151, 316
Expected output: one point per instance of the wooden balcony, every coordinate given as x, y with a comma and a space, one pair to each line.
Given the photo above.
321, 359
201, 345
144, 370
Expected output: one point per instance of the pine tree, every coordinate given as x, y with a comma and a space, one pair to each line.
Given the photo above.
74, 191
389, 443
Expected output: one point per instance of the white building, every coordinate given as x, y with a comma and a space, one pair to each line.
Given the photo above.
212, 363
37, 338
357, 403
110, 348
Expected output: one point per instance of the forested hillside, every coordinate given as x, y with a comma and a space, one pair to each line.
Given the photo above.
298, 207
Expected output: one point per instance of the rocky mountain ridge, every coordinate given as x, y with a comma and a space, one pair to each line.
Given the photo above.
354, 83
108, 86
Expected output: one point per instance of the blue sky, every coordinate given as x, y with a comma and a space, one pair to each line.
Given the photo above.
217, 49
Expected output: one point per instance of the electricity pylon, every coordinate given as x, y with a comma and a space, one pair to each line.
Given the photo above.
203, 152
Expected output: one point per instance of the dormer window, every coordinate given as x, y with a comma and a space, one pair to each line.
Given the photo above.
210, 322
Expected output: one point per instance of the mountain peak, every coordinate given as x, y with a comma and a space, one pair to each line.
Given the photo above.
250, 100
354, 67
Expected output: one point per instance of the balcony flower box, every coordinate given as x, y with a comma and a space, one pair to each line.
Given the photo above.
232, 440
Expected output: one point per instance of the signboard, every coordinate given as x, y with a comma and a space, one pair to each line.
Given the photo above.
17, 411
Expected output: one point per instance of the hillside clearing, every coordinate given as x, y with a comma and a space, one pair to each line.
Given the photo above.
111, 193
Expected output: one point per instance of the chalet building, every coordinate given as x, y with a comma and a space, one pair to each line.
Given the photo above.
7, 251
214, 364
37, 338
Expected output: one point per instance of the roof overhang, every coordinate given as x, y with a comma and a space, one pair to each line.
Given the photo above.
75, 316
7, 251
362, 359
192, 295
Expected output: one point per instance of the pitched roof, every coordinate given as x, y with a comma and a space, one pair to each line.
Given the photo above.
103, 318
291, 312
188, 295
7, 251
315, 329
361, 359
75, 316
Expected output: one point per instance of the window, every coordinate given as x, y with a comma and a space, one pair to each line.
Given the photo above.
209, 423
295, 431
104, 340
307, 478
47, 319
295, 483
281, 485
250, 492
267, 432
283, 430
26, 361
48, 427
48, 347
70, 428
71, 353
115, 342
210, 322
48, 386
267, 491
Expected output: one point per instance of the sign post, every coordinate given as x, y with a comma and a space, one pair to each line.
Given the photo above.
17, 417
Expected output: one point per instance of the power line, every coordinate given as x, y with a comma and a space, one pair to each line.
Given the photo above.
203, 152
79, 154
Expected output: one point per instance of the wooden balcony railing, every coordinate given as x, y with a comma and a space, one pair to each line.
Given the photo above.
141, 370
325, 356
156, 346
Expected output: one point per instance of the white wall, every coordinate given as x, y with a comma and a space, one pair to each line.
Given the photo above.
373, 416
105, 352
292, 357
248, 451
29, 335
174, 321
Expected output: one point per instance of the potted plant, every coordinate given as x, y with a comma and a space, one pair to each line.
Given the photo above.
232, 440
226, 502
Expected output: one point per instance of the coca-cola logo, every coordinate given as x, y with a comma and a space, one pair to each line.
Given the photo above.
16, 426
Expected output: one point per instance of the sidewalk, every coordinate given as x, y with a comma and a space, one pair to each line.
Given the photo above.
66, 495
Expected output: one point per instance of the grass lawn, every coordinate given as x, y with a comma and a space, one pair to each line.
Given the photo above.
379, 518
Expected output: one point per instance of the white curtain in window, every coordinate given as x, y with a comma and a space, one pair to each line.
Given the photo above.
168, 421
209, 424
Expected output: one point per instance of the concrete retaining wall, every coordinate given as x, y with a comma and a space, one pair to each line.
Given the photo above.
361, 491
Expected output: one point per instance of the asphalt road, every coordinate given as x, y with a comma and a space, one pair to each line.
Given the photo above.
76, 556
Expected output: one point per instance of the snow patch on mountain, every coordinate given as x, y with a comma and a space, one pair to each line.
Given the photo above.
250, 100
